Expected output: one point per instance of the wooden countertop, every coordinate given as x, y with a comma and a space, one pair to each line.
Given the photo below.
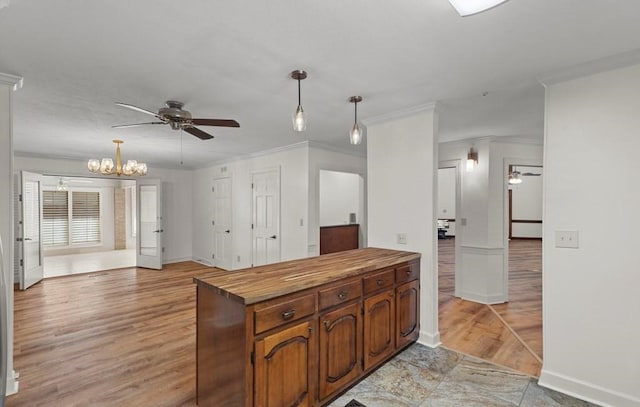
256, 284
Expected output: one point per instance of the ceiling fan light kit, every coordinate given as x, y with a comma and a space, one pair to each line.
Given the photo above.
107, 167
177, 118
355, 135
299, 120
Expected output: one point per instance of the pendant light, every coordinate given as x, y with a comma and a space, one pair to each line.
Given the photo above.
299, 120
355, 135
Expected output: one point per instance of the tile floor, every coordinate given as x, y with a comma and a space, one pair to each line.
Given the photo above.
425, 377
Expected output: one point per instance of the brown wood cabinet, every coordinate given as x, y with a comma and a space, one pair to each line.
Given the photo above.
282, 365
302, 332
339, 238
340, 349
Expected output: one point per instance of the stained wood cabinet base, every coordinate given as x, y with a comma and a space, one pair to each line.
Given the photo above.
330, 321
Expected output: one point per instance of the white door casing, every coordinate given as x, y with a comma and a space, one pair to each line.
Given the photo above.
222, 242
149, 216
265, 187
31, 231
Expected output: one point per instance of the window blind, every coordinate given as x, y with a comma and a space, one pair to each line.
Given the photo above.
85, 217
55, 218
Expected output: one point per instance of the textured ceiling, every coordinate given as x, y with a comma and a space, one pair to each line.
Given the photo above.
232, 59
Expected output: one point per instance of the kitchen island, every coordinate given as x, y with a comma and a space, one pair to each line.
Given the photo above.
299, 333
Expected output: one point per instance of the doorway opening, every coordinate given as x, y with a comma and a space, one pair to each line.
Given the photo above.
88, 224
341, 211
447, 198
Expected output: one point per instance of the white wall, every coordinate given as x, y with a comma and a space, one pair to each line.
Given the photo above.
591, 305
176, 199
402, 177
339, 196
293, 163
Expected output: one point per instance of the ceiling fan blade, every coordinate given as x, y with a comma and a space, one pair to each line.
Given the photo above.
215, 122
122, 126
138, 109
198, 133
530, 174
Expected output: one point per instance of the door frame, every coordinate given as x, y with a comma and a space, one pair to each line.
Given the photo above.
457, 164
20, 235
253, 211
230, 178
152, 262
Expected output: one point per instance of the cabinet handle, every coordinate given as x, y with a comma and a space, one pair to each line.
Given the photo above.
391, 295
342, 295
380, 282
408, 272
326, 324
288, 314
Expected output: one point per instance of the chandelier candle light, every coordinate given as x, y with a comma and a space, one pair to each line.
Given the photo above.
106, 167
299, 119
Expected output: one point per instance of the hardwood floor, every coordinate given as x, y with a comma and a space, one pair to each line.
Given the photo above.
115, 338
506, 334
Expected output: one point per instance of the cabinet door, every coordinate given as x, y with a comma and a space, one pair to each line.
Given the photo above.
379, 324
340, 348
282, 367
407, 313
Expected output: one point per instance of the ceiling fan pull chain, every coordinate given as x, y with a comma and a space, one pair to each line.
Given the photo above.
181, 132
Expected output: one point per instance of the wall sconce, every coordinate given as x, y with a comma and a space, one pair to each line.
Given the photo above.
472, 160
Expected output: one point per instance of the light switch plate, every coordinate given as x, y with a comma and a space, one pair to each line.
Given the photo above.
567, 239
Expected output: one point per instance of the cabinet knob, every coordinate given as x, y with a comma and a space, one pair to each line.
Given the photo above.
288, 314
391, 295
342, 295
380, 282
409, 272
326, 324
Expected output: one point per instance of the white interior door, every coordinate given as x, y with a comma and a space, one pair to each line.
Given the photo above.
222, 250
149, 216
31, 231
266, 217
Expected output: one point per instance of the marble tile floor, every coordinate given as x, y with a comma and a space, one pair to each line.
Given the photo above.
425, 377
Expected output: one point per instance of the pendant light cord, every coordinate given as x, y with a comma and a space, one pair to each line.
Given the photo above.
299, 98
356, 113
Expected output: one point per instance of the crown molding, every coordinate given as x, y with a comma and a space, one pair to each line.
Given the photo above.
399, 114
591, 68
333, 149
11, 80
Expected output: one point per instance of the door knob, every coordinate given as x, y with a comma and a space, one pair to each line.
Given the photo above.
27, 238
158, 231
227, 231
272, 237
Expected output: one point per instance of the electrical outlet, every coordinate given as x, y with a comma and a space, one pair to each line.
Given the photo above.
567, 238
402, 238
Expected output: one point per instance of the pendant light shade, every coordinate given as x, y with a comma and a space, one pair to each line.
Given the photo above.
299, 120
355, 135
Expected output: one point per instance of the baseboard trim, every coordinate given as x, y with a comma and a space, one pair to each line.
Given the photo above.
586, 391
429, 340
482, 299
12, 383
203, 262
176, 260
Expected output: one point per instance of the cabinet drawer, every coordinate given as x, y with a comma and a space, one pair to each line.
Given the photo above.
283, 312
338, 295
378, 281
407, 272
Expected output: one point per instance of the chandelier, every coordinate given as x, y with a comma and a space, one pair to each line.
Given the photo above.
106, 167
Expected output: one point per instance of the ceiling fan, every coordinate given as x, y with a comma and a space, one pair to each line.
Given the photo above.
179, 119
